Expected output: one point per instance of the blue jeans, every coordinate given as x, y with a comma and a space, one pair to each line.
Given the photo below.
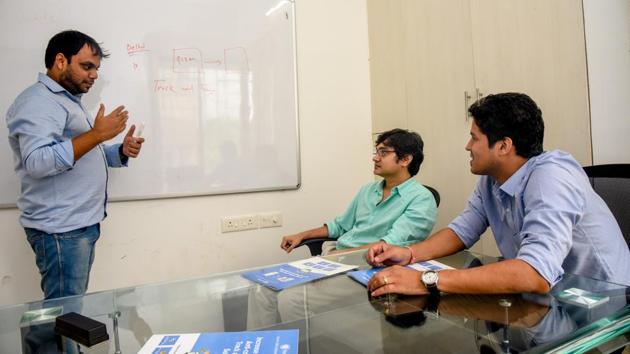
64, 259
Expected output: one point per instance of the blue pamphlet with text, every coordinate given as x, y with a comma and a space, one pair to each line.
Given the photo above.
290, 274
258, 342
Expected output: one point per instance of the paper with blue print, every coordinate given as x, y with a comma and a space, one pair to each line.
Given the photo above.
257, 342
299, 272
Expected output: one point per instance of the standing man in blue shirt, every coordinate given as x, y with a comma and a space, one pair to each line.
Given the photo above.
544, 215
62, 163
397, 210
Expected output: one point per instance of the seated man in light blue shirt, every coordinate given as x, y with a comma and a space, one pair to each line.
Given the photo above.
397, 210
62, 163
544, 215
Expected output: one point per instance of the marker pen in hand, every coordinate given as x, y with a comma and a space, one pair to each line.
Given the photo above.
140, 130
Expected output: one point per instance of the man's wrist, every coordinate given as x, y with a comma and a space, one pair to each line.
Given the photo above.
123, 158
412, 257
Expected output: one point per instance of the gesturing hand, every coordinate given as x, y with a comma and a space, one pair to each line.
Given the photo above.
107, 127
132, 145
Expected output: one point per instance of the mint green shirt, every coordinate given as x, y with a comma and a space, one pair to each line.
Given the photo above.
405, 217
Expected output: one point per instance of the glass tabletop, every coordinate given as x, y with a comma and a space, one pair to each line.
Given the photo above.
337, 315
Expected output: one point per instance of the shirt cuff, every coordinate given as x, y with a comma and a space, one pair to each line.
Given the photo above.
333, 229
460, 233
545, 271
114, 156
124, 159
64, 155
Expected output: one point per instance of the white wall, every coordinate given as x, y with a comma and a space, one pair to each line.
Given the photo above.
160, 240
607, 27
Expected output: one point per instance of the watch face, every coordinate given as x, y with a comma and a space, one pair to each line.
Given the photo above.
429, 277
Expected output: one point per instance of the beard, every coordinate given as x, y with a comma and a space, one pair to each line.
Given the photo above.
71, 83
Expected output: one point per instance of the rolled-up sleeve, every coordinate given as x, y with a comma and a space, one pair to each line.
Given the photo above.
112, 154
38, 129
416, 222
344, 222
552, 206
473, 221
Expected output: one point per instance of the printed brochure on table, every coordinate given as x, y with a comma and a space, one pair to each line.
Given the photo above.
290, 274
258, 342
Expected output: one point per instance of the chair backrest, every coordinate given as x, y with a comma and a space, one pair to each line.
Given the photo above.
612, 183
435, 193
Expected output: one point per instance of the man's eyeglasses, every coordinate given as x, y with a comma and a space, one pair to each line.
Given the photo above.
382, 152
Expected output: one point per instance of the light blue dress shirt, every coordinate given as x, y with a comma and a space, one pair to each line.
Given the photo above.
547, 215
58, 194
405, 217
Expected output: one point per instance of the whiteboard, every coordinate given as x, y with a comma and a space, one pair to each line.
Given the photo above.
214, 81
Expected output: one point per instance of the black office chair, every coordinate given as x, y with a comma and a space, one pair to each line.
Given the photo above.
612, 183
315, 244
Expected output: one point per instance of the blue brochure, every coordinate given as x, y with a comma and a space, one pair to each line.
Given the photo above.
364, 276
290, 274
259, 342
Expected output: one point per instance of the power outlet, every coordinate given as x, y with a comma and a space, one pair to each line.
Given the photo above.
271, 219
239, 223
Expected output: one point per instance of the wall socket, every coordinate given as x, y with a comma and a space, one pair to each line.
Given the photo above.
250, 221
239, 223
271, 219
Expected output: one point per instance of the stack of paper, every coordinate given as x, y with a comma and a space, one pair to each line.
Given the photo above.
581, 297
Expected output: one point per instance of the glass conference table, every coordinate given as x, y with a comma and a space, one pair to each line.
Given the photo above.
336, 315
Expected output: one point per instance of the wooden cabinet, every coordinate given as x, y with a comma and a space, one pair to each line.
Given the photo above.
427, 55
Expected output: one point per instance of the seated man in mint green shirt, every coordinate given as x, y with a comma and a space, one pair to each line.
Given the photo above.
396, 210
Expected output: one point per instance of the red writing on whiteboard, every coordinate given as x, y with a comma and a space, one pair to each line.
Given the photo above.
187, 60
183, 59
162, 86
136, 48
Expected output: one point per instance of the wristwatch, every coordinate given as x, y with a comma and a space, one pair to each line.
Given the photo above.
430, 281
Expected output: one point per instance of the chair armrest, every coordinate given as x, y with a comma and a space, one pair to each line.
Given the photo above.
315, 244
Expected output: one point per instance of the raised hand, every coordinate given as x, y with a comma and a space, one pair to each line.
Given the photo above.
108, 126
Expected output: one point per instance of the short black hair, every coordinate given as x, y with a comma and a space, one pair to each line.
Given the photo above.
511, 115
404, 142
69, 43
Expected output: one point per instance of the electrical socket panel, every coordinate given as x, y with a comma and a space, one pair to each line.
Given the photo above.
251, 221
240, 223
271, 219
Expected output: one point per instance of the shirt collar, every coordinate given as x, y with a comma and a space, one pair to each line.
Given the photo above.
511, 186
400, 189
54, 86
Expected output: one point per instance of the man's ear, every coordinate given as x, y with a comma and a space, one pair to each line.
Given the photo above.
60, 61
406, 160
506, 146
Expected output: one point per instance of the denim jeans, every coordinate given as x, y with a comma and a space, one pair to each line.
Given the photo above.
64, 259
